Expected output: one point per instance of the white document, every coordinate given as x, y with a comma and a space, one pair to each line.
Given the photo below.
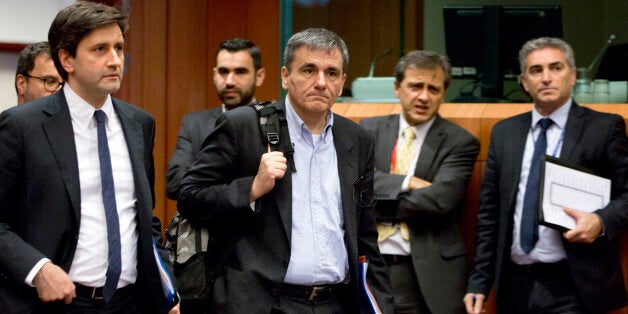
564, 185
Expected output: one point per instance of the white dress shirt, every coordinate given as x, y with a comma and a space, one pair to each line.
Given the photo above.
548, 248
89, 266
396, 244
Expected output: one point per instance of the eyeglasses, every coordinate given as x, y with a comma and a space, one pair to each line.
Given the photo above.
51, 84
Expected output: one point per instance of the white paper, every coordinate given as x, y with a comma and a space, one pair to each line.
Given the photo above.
571, 188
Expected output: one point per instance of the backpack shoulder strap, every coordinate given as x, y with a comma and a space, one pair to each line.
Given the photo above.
274, 129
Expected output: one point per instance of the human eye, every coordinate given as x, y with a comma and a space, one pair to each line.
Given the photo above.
50, 80
308, 71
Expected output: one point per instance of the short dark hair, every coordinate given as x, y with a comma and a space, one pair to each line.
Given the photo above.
26, 58
238, 44
423, 59
75, 22
315, 39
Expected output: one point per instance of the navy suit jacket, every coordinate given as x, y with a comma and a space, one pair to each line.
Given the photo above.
249, 251
40, 199
446, 160
592, 139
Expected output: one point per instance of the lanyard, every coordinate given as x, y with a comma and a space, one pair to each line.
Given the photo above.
558, 143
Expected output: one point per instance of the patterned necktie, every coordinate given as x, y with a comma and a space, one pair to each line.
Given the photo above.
405, 152
111, 210
529, 228
404, 157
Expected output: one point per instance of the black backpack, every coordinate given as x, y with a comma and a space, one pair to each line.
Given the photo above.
187, 245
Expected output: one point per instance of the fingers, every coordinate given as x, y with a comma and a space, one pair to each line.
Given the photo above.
54, 284
272, 167
473, 303
588, 226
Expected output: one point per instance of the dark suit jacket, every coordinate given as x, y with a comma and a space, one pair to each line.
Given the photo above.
438, 251
592, 139
194, 129
40, 197
254, 247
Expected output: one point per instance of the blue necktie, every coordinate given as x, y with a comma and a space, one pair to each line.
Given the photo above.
529, 229
111, 209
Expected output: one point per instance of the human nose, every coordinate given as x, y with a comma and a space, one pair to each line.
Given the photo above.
423, 95
321, 80
116, 57
230, 79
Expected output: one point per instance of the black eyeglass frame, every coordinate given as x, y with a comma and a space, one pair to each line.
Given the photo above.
48, 83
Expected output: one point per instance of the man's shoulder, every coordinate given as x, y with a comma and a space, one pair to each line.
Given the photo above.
130, 110
455, 130
203, 114
374, 123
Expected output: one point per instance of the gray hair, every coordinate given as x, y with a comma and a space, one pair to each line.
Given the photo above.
315, 39
542, 43
423, 59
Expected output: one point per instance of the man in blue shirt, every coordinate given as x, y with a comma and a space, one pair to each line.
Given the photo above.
287, 241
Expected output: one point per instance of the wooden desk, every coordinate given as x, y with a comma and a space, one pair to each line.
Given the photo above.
479, 120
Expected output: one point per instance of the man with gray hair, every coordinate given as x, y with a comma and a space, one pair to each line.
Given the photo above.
537, 269
36, 75
293, 245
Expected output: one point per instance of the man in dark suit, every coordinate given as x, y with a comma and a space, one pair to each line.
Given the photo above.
418, 206
537, 269
56, 213
237, 73
289, 242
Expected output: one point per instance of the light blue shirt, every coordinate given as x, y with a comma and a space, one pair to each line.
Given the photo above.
548, 248
317, 253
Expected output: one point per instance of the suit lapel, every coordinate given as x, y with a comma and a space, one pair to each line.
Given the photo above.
514, 145
433, 140
573, 129
58, 129
387, 138
132, 134
347, 172
283, 191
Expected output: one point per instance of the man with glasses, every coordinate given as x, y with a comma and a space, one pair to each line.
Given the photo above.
36, 75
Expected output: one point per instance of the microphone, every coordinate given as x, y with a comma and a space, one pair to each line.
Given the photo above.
601, 53
387, 51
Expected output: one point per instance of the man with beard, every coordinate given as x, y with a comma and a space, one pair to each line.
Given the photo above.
238, 71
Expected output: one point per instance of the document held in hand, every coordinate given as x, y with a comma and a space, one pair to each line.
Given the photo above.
568, 185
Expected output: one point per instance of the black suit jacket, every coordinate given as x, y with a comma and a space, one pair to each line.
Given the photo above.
40, 198
446, 160
194, 129
592, 139
254, 247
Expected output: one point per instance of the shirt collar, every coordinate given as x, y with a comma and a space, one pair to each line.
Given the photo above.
559, 116
419, 129
81, 112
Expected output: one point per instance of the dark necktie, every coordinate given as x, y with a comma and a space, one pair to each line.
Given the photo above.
529, 228
111, 210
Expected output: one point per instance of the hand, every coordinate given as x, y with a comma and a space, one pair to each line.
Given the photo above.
588, 226
54, 284
272, 167
474, 302
417, 183
176, 309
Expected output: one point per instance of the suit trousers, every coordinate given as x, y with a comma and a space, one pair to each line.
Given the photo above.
124, 301
540, 290
406, 291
